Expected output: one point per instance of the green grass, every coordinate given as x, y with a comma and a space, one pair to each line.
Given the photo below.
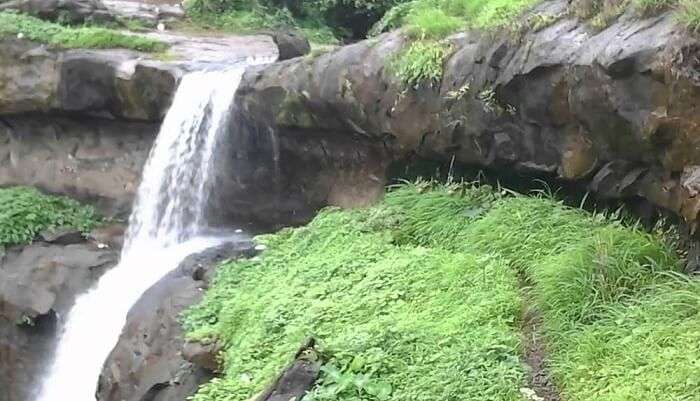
422, 293
619, 320
12, 24
24, 212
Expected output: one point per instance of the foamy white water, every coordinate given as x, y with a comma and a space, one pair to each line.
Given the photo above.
166, 225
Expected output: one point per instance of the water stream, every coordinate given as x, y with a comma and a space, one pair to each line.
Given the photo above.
166, 225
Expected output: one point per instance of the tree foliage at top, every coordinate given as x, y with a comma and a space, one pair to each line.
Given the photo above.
346, 18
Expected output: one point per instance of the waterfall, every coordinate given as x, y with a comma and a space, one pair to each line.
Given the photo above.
166, 225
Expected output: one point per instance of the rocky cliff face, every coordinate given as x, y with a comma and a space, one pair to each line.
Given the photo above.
614, 110
81, 123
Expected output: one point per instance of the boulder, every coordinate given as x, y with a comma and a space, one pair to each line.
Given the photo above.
290, 44
65, 11
149, 361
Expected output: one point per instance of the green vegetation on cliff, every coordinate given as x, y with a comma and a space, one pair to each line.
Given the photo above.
421, 298
429, 22
436, 19
24, 212
421, 63
13, 24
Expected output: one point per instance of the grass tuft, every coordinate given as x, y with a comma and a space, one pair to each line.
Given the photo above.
421, 63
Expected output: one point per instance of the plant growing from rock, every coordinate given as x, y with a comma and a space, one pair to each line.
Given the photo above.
422, 63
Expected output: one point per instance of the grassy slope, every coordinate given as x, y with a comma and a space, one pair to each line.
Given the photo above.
424, 289
620, 324
24, 212
418, 320
12, 24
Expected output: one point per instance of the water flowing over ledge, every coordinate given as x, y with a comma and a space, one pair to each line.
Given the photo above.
167, 224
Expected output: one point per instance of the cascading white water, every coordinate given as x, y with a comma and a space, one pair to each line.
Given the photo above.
166, 225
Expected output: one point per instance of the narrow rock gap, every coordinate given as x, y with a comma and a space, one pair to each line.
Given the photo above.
540, 379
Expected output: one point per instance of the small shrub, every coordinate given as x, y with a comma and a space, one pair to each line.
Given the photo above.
24, 212
341, 18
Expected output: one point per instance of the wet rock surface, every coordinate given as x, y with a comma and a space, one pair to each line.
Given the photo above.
149, 361
98, 11
613, 110
38, 285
